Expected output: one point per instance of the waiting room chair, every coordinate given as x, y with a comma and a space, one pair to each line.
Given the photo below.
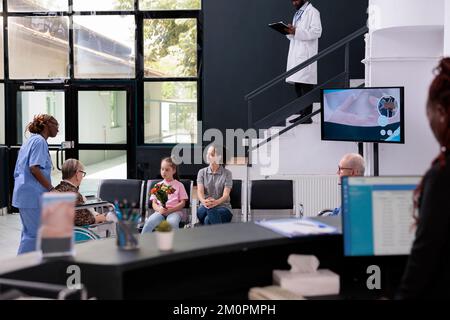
236, 200
269, 195
188, 186
325, 213
132, 190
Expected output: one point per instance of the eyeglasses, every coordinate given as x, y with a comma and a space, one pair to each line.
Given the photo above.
83, 172
343, 168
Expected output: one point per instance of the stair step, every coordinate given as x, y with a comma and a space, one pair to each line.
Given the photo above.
272, 131
253, 142
356, 82
316, 118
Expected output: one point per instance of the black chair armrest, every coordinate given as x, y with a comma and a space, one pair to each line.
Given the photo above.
324, 212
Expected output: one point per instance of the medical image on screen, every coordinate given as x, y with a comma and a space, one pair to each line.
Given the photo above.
362, 114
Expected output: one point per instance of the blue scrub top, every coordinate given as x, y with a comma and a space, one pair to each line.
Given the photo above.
27, 190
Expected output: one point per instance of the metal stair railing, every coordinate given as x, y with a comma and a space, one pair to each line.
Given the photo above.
303, 102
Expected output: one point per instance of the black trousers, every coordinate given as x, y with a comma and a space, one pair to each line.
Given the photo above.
302, 89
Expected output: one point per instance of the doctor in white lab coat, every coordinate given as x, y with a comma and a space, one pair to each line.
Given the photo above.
304, 34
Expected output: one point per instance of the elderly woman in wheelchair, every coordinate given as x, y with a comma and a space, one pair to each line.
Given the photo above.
86, 220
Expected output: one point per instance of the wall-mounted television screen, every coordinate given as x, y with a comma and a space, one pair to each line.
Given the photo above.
363, 114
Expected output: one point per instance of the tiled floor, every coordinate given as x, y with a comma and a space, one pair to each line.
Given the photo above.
10, 229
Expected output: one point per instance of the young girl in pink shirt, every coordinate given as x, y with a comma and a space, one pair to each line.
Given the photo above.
173, 212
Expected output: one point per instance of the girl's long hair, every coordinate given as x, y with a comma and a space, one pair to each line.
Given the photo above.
172, 164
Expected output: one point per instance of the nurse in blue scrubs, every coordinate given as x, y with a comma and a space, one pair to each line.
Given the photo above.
32, 177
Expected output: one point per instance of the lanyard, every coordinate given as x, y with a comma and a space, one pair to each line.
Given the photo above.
298, 15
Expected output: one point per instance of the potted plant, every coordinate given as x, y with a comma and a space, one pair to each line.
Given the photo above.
164, 236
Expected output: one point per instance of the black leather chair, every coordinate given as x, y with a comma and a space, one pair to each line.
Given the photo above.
112, 190
236, 194
325, 213
266, 196
236, 200
188, 186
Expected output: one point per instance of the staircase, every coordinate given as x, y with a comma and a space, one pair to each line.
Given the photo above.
396, 27
313, 170
296, 151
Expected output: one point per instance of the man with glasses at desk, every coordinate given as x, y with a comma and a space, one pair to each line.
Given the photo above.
351, 165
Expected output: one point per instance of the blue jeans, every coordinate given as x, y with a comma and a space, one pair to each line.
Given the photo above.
31, 220
156, 218
214, 215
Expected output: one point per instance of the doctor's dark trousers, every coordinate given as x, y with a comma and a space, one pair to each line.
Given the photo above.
301, 89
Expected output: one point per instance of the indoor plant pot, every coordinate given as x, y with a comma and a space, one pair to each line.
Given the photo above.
164, 236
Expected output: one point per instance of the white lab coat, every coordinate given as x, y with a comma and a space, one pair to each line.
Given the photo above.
304, 45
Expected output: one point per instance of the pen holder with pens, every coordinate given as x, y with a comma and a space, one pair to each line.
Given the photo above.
127, 226
127, 232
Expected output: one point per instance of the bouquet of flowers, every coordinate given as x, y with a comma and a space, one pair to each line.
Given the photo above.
161, 191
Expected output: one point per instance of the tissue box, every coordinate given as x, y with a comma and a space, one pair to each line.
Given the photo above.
319, 283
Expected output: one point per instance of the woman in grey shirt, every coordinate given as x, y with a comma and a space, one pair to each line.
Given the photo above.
213, 188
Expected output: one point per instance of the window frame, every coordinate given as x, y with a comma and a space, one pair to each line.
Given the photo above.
175, 14
136, 122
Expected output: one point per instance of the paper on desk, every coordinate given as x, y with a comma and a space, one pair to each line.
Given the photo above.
296, 227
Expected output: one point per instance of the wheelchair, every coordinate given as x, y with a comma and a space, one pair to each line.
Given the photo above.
94, 231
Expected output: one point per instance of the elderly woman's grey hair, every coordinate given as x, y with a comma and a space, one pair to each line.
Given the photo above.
70, 168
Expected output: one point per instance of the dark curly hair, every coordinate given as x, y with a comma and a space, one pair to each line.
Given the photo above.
39, 123
439, 94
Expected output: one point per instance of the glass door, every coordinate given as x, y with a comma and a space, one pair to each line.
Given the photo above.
103, 116
33, 99
93, 120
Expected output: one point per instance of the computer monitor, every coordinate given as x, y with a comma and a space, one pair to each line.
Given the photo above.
377, 215
363, 114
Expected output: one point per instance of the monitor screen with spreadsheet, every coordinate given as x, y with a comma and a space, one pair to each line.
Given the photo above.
377, 215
